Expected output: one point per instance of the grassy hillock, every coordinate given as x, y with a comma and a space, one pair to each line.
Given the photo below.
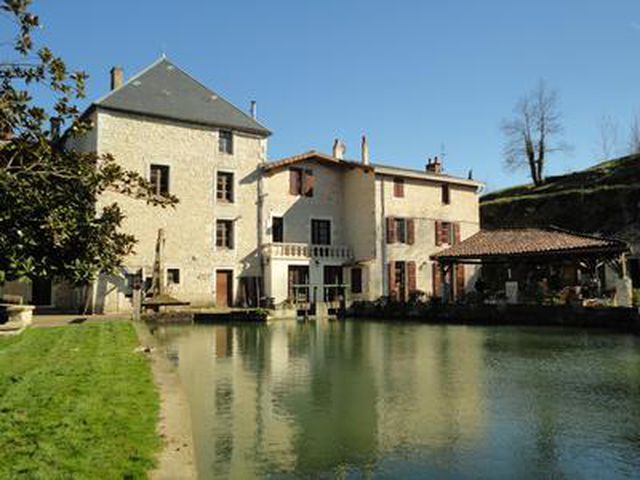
603, 199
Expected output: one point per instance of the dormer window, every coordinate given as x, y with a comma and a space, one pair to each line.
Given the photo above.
225, 142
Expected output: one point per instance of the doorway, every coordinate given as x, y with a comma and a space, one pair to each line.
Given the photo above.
400, 281
224, 288
298, 283
332, 283
41, 292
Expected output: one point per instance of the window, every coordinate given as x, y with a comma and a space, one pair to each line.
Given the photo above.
398, 187
159, 179
401, 231
224, 187
320, 232
225, 141
224, 233
446, 198
277, 229
301, 182
132, 280
173, 276
148, 283
356, 280
446, 233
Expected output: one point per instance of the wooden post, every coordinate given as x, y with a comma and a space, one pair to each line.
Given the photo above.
444, 291
136, 300
159, 277
623, 265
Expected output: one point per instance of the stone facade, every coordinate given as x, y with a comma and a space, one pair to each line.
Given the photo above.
194, 160
358, 202
356, 199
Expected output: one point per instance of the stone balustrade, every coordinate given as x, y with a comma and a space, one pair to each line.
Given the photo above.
304, 250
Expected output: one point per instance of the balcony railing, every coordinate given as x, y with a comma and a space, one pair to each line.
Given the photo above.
304, 250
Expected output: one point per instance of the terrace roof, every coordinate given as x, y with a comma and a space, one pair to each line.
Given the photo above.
528, 242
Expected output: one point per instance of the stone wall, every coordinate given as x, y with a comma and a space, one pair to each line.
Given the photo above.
422, 201
191, 152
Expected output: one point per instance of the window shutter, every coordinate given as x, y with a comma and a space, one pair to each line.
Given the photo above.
411, 231
391, 230
392, 280
398, 187
459, 282
309, 182
438, 233
445, 233
456, 233
411, 276
294, 178
435, 277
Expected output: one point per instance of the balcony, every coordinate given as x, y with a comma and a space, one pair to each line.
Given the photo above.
297, 251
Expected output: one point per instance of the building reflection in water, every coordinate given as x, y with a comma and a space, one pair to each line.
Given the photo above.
315, 398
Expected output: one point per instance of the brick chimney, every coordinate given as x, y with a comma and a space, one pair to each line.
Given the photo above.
365, 151
434, 166
117, 77
339, 148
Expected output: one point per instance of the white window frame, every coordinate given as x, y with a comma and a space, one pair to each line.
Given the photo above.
233, 142
234, 239
169, 180
271, 226
234, 193
332, 229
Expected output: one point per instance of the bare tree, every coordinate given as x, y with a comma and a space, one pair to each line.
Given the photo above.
534, 132
608, 145
634, 136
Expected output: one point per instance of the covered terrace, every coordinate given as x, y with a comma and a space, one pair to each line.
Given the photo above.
539, 265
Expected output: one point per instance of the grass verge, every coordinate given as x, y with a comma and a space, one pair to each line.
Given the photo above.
76, 402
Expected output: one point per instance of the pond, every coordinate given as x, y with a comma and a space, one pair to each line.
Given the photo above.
361, 399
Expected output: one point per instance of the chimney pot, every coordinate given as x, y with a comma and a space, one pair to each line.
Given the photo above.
339, 149
365, 151
434, 166
254, 109
117, 77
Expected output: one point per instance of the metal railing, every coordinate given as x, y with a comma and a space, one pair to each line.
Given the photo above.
314, 293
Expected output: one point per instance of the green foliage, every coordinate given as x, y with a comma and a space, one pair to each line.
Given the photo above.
49, 223
76, 402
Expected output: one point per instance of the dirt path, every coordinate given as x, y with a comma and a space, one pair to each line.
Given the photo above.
176, 461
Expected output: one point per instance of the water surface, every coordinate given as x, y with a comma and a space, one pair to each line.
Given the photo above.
387, 400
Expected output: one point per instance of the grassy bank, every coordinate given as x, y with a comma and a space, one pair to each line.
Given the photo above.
76, 402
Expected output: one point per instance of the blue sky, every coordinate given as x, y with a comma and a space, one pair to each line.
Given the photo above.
412, 75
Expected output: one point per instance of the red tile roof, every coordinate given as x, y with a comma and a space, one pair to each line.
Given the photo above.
314, 155
527, 242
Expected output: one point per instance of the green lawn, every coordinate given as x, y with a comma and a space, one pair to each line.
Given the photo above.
76, 402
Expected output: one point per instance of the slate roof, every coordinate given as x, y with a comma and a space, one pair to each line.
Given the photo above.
527, 242
164, 90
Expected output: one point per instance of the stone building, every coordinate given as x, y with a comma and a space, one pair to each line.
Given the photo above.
248, 229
